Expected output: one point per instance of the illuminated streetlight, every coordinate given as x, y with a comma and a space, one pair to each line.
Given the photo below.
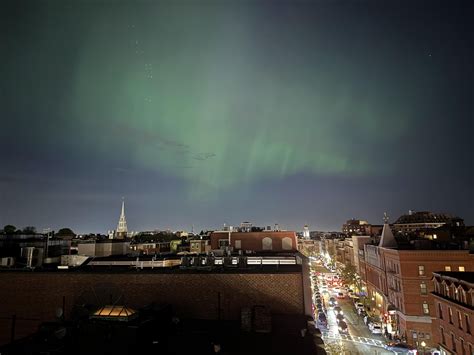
423, 345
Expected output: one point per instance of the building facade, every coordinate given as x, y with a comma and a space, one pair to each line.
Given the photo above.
254, 241
454, 311
399, 286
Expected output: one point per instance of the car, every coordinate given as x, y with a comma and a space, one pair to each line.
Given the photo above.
343, 327
339, 317
340, 295
318, 300
332, 302
359, 306
376, 329
338, 310
322, 319
398, 347
363, 314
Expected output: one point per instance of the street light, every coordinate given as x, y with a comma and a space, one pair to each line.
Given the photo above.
423, 345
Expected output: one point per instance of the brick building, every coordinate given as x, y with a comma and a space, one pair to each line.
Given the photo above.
398, 280
33, 297
454, 311
255, 241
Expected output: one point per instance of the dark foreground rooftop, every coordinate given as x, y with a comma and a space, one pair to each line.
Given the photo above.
160, 332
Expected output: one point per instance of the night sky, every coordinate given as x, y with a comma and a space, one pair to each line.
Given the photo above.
212, 112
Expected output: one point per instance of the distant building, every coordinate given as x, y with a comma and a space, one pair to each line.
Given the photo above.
105, 248
121, 232
254, 241
454, 311
246, 227
356, 227
419, 221
306, 232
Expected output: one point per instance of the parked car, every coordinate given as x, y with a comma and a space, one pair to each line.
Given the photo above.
400, 348
338, 310
339, 317
322, 319
343, 327
359, 306
340, 295
376, 329
332, 302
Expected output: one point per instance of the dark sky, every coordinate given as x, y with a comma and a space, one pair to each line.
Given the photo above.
212, 112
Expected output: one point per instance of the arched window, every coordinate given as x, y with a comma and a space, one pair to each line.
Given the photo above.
286, 243
267, 243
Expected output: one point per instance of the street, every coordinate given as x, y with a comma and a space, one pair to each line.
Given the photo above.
358, 339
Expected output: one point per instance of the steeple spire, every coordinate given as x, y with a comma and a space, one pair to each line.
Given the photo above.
122, 223
387, 240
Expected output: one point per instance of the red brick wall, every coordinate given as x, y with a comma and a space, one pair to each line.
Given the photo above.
37, 295
253, 240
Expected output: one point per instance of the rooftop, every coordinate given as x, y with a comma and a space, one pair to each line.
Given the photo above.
425, 217
458, 275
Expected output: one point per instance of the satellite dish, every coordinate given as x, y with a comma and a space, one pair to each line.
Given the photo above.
59, 313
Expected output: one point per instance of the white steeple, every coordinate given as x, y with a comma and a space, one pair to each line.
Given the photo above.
122, 223
387, 240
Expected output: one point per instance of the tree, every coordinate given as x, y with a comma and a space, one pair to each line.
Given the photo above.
65, 232
335, 348
349, 275
9, 229
29, 230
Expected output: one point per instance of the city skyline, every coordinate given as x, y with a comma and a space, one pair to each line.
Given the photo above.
223, 111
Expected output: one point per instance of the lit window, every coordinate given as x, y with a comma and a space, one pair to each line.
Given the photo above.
423, 288
461, 268
426, 308
421, 270
447, 268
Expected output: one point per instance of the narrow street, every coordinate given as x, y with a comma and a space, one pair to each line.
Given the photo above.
358, 339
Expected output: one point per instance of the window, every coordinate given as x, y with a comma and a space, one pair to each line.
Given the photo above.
468, 323
238, 244
423, 288
459, 320
267, 243
223, 243
447, 268
426, 308
421, 270
453, 342
461, 268
440, 311
450, 311
463, 351
443, 339
286, 243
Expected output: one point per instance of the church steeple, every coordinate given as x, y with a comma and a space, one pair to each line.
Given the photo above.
122, 224
387, 240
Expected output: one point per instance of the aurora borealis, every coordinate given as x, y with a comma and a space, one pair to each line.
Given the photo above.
205, 112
